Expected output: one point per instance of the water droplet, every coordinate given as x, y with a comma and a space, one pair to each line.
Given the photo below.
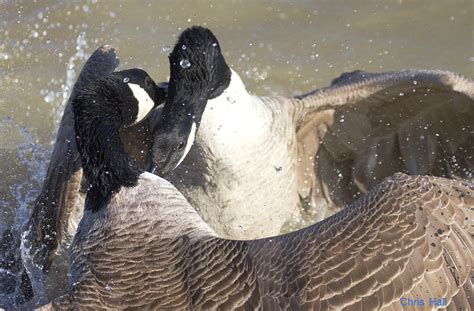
5, 56
214, 44
183, 47
230, 100
126, 79
165, 48
415, 82
401, 94
185, 63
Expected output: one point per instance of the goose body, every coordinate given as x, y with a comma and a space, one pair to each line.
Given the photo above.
409, 237
283, 159
233, 130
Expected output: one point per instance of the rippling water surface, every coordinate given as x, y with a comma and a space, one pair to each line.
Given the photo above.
278, 47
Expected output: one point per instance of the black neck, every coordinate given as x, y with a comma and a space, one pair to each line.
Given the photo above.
106, 165
187, 94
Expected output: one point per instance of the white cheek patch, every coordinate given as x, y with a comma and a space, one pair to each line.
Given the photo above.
145, 103
189, 143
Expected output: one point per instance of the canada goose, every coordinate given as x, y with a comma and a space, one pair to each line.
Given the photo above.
58, 208
62, 194
258, 160
141, 245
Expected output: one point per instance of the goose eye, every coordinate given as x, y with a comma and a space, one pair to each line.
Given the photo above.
147, 82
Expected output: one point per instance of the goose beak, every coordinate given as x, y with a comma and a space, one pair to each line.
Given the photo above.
149, 165
161, 166
158, 165
152, 168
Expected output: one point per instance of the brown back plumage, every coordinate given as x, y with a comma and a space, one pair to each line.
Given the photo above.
410, 237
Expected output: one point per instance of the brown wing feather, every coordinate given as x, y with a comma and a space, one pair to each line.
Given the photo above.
367, 126
409, 237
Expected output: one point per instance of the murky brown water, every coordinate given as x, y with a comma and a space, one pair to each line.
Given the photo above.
278, 47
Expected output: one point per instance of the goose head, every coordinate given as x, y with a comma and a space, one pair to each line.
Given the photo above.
101, 110
198, 72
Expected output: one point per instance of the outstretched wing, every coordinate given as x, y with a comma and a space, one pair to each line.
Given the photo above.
410, 237
367, 126
51, 209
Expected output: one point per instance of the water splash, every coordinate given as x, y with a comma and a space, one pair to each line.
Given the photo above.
34, 157
165, 49
71, 74
35, 273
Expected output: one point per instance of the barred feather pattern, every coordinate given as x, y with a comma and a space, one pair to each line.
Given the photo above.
410, 236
